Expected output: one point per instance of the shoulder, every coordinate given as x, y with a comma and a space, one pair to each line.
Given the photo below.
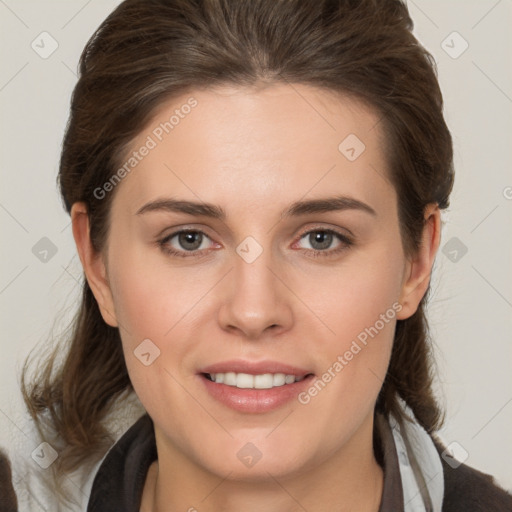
8, 500
470, 490
119, 481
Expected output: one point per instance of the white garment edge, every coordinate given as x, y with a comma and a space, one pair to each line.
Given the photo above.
421, 470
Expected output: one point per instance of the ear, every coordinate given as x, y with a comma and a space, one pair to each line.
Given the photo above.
419, 266
92, 263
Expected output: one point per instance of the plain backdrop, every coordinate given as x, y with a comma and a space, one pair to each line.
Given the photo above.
471, 300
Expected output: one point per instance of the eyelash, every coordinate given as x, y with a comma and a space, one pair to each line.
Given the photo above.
346, 243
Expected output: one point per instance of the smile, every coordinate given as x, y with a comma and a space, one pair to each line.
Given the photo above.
248, 381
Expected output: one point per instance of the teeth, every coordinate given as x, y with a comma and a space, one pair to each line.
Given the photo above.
229, 378
289, 379
247, 381
279, 379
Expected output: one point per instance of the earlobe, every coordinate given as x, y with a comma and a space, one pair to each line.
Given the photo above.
419, 268
92, 263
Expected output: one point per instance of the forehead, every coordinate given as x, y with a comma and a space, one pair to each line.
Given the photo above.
255, 145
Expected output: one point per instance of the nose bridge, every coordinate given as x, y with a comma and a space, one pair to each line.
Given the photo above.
257, 299
253, 277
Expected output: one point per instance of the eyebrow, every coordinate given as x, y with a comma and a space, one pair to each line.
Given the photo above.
338, 203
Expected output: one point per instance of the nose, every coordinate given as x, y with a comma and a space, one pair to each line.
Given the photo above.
256, 302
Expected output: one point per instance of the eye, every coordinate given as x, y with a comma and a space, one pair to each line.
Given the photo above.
182, 242
320, 242
193, 242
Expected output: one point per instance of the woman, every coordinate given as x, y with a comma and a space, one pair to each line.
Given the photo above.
255, 191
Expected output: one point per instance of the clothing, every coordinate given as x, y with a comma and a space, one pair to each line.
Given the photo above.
119, 482
8, 501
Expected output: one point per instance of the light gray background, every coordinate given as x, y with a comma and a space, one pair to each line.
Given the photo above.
471, 304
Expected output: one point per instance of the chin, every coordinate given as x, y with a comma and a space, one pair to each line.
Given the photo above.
257, 458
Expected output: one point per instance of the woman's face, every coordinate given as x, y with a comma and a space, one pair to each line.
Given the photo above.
270, 280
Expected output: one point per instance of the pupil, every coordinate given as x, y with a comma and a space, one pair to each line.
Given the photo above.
322, 238
190, 241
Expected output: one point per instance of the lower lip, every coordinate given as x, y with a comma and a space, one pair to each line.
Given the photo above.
255, 400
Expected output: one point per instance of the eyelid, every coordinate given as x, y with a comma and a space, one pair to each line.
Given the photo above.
330, 229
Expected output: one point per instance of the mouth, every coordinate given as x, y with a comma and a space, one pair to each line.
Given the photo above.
254, 387
258, 381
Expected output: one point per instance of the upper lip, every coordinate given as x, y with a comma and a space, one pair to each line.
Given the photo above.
254, 368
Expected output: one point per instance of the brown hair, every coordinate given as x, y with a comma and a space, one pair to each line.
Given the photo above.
147, 51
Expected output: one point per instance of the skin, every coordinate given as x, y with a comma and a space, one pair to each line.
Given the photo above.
254, 151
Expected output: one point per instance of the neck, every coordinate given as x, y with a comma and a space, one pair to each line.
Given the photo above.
349, 479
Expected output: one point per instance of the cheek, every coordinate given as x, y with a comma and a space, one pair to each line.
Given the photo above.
146, 309
353, 296
158, 303
360, 307
151, 298
150, 314
141, 307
